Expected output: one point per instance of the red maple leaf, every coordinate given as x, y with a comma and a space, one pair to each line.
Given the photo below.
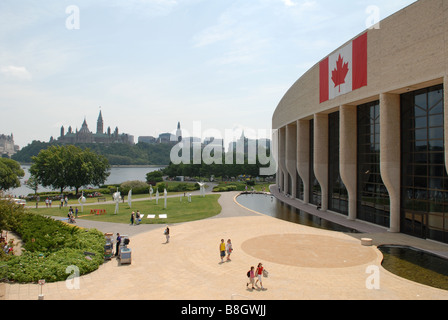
338, 75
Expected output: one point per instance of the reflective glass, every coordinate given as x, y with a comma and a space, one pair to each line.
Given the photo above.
424, 180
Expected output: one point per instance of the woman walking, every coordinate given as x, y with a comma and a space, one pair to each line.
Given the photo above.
167, 234
259, 273
229, 249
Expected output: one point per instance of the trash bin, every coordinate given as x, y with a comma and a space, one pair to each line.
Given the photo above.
125, 255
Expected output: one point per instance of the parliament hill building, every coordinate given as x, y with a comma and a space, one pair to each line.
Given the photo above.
84, 135
363, 132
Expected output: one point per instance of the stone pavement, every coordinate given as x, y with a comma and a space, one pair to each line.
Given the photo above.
303, 263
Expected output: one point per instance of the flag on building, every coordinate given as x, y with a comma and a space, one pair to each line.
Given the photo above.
345, 70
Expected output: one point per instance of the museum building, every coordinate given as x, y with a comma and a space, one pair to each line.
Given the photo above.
362, 133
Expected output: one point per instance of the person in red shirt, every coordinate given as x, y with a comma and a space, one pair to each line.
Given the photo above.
259, 273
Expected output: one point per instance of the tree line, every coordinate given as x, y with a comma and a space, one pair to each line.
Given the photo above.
115, 153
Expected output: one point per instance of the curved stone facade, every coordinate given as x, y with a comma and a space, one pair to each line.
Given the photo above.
405, 71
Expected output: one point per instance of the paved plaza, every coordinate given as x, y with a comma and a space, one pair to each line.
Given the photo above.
303, 263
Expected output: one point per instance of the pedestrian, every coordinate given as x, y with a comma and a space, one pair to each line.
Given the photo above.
117, 244
251, 276
76, 212
167, 234
229, 249
137, 217
132, 218
259, 274
222, 250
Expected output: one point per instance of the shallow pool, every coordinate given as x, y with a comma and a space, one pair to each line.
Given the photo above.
416, 265
269, 205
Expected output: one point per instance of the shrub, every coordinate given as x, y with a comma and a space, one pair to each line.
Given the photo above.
50, 247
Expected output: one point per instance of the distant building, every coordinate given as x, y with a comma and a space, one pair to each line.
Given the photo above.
147, 139
246, 145
165, 137
84, 135
7, 146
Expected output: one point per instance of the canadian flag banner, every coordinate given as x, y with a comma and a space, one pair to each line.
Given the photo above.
345, 70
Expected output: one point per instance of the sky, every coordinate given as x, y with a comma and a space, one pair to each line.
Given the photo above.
215, 66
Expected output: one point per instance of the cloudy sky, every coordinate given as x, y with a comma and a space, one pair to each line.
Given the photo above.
213, 65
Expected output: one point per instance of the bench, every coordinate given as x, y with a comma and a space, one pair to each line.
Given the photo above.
102, 199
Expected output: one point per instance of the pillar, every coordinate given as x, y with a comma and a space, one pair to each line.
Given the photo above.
390, 157
303, 156
290, 156
283, 181
348, 154
321, 155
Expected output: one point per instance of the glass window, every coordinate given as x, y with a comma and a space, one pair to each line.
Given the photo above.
424, 180
373, 199
315, 190
337, 199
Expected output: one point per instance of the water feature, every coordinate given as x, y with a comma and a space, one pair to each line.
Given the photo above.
406, 262
416, 265
271, 206
117, 175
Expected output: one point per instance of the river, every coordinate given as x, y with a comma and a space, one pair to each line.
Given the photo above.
117, 175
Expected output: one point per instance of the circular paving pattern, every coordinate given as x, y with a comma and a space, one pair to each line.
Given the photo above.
307, 250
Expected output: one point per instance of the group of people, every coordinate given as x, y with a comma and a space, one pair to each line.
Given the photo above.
225, 248
72, 214
259, 272
135, 218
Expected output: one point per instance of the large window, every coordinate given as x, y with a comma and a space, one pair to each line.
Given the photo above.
337, 193
315, 194
424, 181
372, 198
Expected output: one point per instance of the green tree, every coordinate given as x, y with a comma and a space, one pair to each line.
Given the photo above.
10, 174
61, 167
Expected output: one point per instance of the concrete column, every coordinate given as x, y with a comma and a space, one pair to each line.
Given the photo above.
275, 141
348, 154
321, 155
283, 181
303, 156
390, 157
291, 156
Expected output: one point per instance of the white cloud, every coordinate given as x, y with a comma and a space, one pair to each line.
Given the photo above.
289, 3
20, 73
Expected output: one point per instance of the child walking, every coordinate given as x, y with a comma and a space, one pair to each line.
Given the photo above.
251, 275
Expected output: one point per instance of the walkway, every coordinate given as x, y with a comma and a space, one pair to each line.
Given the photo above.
303, 263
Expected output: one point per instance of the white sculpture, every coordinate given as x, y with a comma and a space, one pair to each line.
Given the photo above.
157, 196
202, 188
117, 197
81, 201
130, 198
165, 194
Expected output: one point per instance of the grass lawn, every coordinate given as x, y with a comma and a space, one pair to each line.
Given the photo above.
176, 211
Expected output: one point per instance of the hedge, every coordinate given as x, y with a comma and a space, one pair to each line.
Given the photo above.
50, 247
